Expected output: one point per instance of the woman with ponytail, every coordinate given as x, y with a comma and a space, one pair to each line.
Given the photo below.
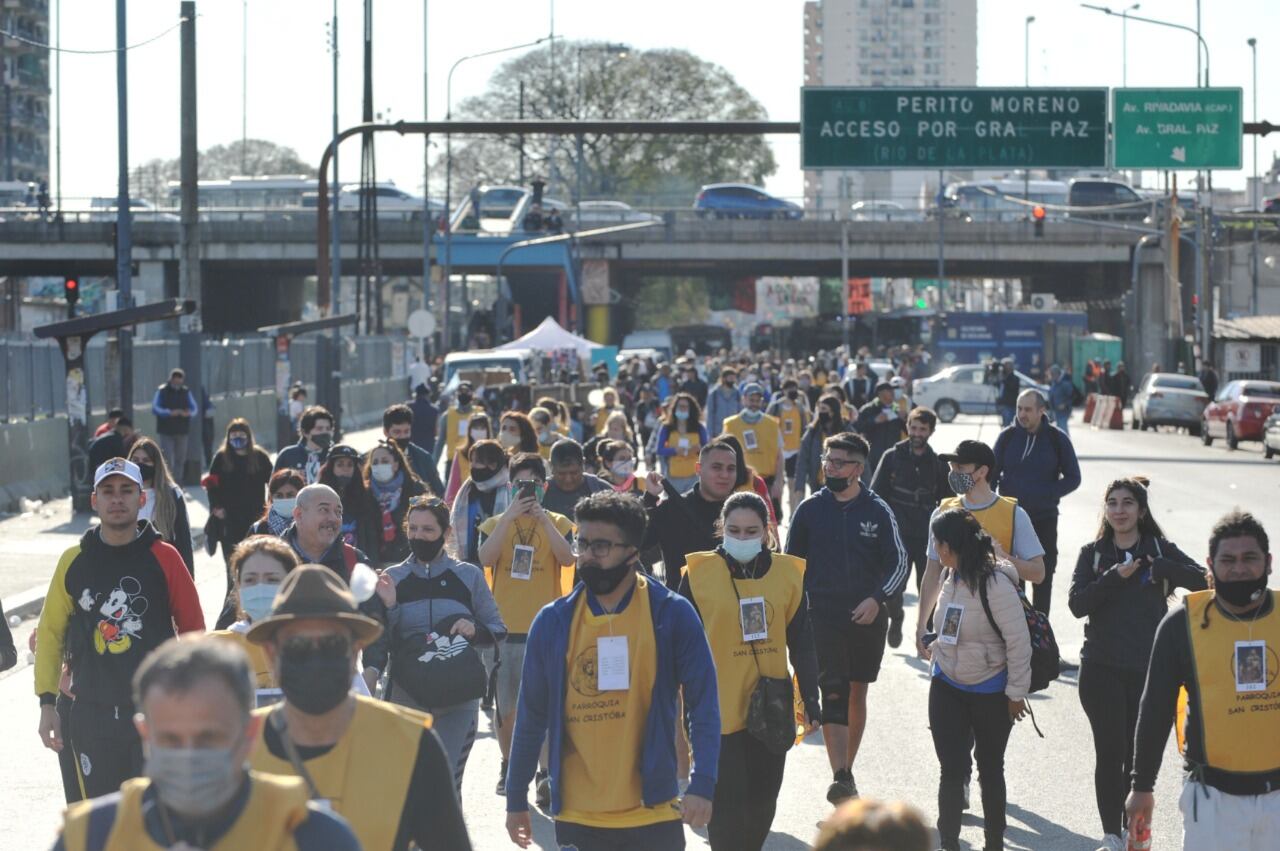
1122, 584
981, 654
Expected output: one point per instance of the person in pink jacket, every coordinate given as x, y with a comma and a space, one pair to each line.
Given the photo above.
980, 680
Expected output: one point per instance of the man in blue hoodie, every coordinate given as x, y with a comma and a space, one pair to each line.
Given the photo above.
856, 563
609, 716
1036, 465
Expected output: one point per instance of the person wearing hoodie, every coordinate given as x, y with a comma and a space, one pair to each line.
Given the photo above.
1036, 465
316, 429
855, 563
117, 595
723, 402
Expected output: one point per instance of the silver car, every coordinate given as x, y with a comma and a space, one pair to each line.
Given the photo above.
1168, 398
963, 390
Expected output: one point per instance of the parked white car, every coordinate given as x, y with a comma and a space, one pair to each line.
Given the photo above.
963, 390
1167, 398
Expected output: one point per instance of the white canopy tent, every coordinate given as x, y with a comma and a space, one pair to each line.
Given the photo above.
549, 336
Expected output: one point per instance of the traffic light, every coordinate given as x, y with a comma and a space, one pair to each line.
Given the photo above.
71, 291
1037, 216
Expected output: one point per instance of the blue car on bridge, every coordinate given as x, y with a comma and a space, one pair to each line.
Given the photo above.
743, 201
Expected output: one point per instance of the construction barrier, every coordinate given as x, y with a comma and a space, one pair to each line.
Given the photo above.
1104, 412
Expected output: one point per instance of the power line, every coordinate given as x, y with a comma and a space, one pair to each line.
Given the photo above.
46, 46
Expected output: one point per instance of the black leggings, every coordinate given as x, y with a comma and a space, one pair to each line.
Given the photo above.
958, 718
1110, 698
746, 793
1047, 531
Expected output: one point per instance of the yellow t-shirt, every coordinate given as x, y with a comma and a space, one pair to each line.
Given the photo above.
764, 435
782, 590
456, 424
604, 730
683, 466
262, 674
792, 423
519, 600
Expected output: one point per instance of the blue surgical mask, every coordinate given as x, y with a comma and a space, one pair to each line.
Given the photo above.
256, 600
238, 441
751, 416
682, 414
283, 507
742, 550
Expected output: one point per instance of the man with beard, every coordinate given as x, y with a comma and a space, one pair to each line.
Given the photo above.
603, 668
686, 523
880, 422
397, 426
912, 479
370, 758
761, 437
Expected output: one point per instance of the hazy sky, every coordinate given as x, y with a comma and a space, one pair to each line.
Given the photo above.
759, 41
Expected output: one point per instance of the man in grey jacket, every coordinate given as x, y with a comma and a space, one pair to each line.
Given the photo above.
723, 402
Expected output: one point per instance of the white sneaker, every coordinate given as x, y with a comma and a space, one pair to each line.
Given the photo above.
1111, 842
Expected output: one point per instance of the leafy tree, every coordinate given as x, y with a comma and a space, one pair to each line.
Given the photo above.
667, 85
251, 158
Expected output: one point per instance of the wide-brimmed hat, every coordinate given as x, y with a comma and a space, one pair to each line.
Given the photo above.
314, 591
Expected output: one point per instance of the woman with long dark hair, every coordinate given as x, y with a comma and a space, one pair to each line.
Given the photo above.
392, 484
981, 672
680, 439
752, 605
517, 433
166, 506
828, 420
1122, 584
237, 486
361, 519
478, 428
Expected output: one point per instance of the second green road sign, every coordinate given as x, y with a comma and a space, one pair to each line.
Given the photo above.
953, 128
1178, 128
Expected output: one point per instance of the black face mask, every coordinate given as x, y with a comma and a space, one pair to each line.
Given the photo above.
426, 551
402, 442
792, 393
324, 440
483, 474
1240, 592
824, 416
464, 399
148, 472
342, 481
837, 484
600, 580
314, 681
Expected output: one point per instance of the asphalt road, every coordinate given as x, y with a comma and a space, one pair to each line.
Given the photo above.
1050, 780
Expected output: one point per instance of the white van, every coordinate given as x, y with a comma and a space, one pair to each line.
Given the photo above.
657, 340
521, 362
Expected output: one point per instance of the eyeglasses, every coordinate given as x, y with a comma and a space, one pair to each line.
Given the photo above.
600, 547
425, 502
841, 463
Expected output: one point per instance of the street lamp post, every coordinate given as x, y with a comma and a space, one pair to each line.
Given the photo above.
448, 174
1126, 17
619, 50
1124, 43
1255, 196
1026, 81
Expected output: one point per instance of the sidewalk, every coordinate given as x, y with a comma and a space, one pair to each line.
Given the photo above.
34, 541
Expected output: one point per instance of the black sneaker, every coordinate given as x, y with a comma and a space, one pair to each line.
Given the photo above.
842, 788
1066, 667
895, 633
542, 793
502, 779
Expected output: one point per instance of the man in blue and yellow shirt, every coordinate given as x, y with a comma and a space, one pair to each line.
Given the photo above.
602, 670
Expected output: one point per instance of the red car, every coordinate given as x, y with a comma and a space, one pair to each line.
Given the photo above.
1240, 411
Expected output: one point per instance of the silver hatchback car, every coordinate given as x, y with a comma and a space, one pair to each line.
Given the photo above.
1169, 398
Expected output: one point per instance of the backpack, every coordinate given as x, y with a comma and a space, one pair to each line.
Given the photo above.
1044, 647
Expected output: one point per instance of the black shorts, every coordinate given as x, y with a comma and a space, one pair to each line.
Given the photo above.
848, 652
789, 465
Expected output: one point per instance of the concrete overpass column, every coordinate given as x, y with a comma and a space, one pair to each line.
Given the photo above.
148, 288
596, 296
1148, 343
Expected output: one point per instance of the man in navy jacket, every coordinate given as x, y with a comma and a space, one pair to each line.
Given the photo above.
856, 563
1036, 465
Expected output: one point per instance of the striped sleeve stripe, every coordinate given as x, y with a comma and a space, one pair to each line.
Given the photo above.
903, 569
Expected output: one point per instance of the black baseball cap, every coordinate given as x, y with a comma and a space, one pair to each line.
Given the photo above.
973, 452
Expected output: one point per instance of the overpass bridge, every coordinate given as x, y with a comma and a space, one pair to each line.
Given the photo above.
256, 265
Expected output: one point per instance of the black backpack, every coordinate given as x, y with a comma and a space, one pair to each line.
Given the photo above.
1044, 647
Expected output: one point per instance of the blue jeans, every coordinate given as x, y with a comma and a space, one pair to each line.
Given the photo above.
1006, 414
1062, 419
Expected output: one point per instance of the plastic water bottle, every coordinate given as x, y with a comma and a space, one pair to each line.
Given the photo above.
1139, 836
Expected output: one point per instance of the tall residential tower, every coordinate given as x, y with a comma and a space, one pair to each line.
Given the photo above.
24, 99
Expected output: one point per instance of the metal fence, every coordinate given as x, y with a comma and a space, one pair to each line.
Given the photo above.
32, 376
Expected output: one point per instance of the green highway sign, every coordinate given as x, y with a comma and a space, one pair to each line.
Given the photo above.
1178, 128
953, 128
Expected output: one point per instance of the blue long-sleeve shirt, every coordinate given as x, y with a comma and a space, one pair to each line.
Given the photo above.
161, 411
1036, 469
720, 406
684, 662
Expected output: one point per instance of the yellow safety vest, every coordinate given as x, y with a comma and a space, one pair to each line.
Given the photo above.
1240, 728
736, 674
456, 424
276, 806
683, 466
996, 519
792, 423
763, 436
365, 776
520, 600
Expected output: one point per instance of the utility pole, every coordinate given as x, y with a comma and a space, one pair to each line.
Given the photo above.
124, 217
428, 222
844, 280
189, 278
335, 238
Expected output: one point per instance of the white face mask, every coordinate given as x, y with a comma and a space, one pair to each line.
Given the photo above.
742, 550
283, 506
508, 440
147, 510
479, 434
383, 473
622, 469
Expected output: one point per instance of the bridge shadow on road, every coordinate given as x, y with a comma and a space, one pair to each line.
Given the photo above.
1258, 461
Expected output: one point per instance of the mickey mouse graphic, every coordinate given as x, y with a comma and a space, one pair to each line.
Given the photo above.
121, 616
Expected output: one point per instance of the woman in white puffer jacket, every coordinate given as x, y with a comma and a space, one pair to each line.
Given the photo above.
980, 680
